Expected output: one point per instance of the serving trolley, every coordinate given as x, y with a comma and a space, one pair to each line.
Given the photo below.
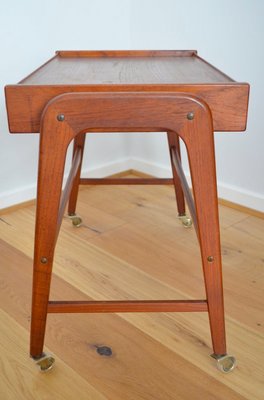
176, 92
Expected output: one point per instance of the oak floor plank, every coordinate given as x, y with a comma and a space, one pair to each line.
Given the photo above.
140, 367
19, 379
133, 246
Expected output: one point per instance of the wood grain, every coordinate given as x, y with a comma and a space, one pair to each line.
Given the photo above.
121, 306
158, 112
118, 376
126, 71
155, 356
228, 102
19, 379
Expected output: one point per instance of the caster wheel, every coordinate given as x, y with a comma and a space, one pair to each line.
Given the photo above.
45, 362
225, 363
76, 221
186, 221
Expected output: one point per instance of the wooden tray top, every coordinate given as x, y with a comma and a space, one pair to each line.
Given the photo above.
126, 71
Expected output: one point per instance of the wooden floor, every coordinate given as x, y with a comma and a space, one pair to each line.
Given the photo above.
132, 246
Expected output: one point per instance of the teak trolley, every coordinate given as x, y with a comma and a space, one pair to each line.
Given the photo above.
175, 92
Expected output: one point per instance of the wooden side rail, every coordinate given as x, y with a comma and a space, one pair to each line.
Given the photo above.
127, 306
187, 193
126, 181
67, 190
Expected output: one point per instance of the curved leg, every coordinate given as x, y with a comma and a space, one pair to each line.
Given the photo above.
79, 142
52, 154
203, 172
173, 141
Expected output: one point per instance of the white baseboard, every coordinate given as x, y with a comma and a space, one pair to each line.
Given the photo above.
17, 196
241, 196
228, 192
107, 169
27, 193
155, 169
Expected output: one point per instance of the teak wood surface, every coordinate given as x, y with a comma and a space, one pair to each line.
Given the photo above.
126, 71
150, 91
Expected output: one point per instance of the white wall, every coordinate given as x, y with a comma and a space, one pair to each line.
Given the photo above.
227, 33
230, 35
30, 32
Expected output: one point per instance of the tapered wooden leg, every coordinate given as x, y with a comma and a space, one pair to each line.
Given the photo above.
173, 141
51, 167
200, 146
79, 143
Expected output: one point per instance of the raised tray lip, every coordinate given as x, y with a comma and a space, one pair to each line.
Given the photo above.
128, 86
123, 54
126, 53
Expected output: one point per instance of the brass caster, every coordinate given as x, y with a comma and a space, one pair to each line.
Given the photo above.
45, 362
225, 363
186, 221
76, 221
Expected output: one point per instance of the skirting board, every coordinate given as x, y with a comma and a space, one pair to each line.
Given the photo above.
28, 193
230, 194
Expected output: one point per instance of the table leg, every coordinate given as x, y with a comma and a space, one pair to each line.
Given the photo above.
79, 143
52, 156
173, 141
200, 146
